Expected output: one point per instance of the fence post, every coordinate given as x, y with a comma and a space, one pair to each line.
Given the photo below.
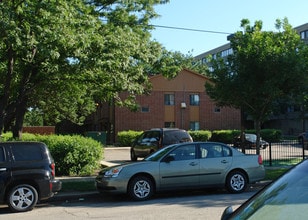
303, 147
270, 154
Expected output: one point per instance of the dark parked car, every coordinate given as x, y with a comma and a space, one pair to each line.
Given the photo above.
154, 139
285, 198
27, 175
183, 166
302, 137
250, 142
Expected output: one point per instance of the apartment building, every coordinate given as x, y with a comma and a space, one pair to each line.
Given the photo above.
291, 120
180, 102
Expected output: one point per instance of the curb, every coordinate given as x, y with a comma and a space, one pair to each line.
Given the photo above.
80, 196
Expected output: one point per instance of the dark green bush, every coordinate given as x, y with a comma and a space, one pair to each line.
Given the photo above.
201, 135
126, 138
227, 136
270, 135
224, 136
74, 155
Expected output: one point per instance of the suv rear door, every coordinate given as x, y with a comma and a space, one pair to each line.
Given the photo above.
5, 170
147, 143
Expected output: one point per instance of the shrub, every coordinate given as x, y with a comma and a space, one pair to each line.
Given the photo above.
74, 155
126, 138
201, 135
224, 136
270, 135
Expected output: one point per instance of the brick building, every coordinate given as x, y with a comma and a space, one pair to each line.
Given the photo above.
180, 102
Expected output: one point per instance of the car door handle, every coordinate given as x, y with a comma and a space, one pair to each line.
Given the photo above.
2, 169
193, 164
224, 161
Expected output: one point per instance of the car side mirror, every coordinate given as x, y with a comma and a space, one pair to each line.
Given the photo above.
227, 212
168, 159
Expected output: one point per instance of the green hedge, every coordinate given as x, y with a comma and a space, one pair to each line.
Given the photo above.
227, 136
126, 138
201, 135
224, 136
74, 155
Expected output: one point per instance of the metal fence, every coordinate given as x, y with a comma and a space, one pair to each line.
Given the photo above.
284, 153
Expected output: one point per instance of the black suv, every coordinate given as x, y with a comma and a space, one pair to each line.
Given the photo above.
151, 140
27, 175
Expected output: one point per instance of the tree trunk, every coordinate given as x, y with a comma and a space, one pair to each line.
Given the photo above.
6, 88
20, 114
243, 138
258, 129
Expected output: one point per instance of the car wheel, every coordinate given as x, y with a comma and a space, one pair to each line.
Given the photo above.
141, 188
236, 182
133, 156
22, 198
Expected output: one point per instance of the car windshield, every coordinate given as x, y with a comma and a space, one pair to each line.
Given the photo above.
286, 198
158, 154
251, 137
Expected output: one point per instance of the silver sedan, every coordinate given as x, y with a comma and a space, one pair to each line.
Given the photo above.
183, 166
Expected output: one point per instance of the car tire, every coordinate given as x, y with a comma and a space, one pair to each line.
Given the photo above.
141, 188
236, 182
22, 198
133, 156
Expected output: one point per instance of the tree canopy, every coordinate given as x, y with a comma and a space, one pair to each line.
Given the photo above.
61, 57
265, 67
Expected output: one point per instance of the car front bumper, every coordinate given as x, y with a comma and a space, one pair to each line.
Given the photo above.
111, 185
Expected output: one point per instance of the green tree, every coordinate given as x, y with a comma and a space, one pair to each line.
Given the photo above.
264, 68
172, 62
61, 57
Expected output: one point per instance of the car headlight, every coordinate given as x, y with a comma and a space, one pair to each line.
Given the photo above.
114, 172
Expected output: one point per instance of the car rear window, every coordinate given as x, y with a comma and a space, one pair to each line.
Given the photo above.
174, 137
27, 152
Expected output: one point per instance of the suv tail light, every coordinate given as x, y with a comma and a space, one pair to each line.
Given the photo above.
53, 169
260, 161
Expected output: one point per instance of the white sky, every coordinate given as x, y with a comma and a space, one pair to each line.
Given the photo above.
219, 16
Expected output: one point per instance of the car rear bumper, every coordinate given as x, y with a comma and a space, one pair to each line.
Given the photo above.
56, 185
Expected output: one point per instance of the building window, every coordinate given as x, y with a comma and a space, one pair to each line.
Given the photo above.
304, 34
170, 124
217, 109
194, 125
169, 99
194, 99
145, 109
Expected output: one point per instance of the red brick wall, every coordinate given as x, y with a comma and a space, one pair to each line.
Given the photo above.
39, 130
182, 86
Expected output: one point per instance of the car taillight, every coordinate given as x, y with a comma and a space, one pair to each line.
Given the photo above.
260, 161
53, 171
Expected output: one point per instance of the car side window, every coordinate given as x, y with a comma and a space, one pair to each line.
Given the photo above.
149, 137
27, 153
186, 152
214, 151
2, 157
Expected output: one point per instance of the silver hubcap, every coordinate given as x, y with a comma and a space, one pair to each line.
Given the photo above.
142, 189
237, 182
22, 198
